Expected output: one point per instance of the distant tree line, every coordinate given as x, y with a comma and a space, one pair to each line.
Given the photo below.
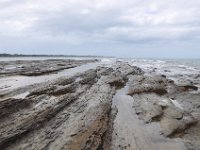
25, 55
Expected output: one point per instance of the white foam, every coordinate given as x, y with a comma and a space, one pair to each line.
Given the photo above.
106, 60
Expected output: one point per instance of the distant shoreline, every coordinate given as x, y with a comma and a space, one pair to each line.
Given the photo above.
24, 55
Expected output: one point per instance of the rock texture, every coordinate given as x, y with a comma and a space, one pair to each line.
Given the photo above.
153, 103
66, 113
76, 112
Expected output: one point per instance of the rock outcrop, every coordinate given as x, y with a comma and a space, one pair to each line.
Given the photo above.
77, 112
153, 103
66, 113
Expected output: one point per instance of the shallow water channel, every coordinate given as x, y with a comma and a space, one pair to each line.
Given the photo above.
13, 82
133, 134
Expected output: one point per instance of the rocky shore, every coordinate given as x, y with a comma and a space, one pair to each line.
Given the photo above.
38, 67
106, 106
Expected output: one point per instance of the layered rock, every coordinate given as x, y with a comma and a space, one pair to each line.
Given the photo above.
67, 113
75, 112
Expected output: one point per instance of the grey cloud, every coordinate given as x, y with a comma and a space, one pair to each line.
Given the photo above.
101, 25
72, 21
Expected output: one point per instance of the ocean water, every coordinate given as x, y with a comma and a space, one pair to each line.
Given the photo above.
169, 65
195, 63
166, 65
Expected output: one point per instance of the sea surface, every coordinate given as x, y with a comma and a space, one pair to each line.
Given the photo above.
167, 65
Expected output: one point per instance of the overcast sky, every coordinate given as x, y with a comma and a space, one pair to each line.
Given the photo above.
123, 28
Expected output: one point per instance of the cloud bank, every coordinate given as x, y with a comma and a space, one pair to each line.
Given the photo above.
129, 28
